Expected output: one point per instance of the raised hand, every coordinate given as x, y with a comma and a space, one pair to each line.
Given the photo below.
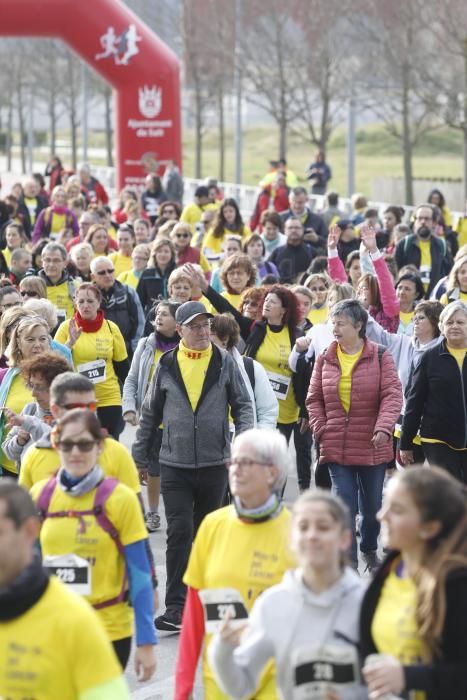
368, 238
73, 333
333, 237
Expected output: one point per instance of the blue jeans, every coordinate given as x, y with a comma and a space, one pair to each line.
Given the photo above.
360, 487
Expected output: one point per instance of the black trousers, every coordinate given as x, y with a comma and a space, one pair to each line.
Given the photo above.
454, 461
303, 444
122, 648
111, 419
189, 495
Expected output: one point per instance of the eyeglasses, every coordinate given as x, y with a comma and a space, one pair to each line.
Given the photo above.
245, 463
82, 445
105, 272
29, 294
37, 387
182, 235
92, 406
198, 327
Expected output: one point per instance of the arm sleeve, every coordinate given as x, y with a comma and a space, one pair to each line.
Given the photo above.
189, 646
416, 397
121, 369
389, 300
390, 404
130, 387
267, 406
239, 400
139, 317
150, 419
221, 305
116, 689
315, 400
139, 575
37, 233
336, 267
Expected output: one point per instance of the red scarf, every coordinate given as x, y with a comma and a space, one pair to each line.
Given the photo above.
89, 326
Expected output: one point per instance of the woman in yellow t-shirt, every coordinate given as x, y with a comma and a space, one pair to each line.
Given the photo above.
236, 274
228, 220
139, 261
15, 238
456, 287
29, 338
243, 547
126, 240
414, 615
93, 538
99, 353
318, 284
409, 290
98, 238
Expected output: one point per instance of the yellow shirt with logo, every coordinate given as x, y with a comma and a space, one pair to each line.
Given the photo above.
394, 627
105, 344
273, 354
228, 553
31, 205
319, 315
193, 366
425, 262
129, 278
85, 538
56, 650
121, 263
59, 296
18, 396
41, 463
347, 364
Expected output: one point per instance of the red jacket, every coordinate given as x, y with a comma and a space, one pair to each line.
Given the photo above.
375, 405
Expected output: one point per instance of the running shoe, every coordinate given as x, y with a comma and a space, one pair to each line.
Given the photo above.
170, 621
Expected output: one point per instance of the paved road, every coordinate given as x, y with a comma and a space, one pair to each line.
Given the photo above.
162, 685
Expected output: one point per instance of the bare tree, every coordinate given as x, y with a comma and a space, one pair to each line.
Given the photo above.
49, 70
70, 97
393, 62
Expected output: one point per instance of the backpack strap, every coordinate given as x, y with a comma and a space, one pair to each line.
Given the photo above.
250, 370
45, 497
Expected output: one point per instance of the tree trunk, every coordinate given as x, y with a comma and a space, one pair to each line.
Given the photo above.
22, 130
53, 124
464, 119
198, 131
108, 125
9, 134
283, 138
74, 135
220, 95
407, 145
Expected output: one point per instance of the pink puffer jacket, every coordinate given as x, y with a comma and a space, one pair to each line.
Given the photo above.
375, 404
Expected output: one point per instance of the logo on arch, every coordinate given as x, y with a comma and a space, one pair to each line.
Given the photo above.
150, 101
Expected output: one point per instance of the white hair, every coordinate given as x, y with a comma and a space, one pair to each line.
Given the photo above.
450, 310
100, 259
270, 447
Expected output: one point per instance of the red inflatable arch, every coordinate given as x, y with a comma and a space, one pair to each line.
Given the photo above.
143, 71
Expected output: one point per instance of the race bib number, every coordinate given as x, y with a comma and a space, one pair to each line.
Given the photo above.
219, 603
94, 371
321, 668
280, 385
71, 570
61, 315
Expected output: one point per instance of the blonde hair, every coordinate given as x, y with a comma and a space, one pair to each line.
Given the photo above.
9, 319
453, 282
28, 323
175, 276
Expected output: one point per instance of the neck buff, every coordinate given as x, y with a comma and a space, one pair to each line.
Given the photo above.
165, 343
89, 326
20, 595
267, 511
194, 354
78, 487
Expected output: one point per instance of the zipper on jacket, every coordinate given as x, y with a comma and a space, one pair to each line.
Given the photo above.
463, 402
195, 437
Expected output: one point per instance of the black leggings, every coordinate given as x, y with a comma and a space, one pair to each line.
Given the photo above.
122, 648
110, 417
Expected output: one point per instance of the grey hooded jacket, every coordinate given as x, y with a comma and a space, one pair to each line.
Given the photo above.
197, 438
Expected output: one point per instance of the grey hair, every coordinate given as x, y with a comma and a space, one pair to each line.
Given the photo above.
270, 447
354, 311
100, 259
43, 308
343, 290
55, 248
450, 310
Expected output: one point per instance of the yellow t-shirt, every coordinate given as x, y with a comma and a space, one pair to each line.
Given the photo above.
88, 540
228, 553
347, 364
406, 316
318, 315
157, 357
18, 396
58, 223
425, 262
59, 295
56, 650
459, 354
212, 246
7, 255
394, 627
41, 463
273, 354
462, 296
121, 263
105, 345
461, 229
234, 299
191, 214
129, 278
193, 367
31, 205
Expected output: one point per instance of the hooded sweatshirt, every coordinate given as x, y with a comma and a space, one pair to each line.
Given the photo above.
284, 619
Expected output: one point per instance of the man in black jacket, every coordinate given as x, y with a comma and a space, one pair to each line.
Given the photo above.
120, 303
316, 232
424, 249
30, 204
295, 256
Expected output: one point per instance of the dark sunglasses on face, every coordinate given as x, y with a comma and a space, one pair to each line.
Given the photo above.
82, 445
105, 272
29, 294
182, 235
92, 406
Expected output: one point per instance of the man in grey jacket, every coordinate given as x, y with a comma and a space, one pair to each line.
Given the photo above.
193, 388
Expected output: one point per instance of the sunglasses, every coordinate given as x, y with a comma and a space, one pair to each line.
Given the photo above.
82, 445
182, 235
92, 406
105, 272
29, 294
